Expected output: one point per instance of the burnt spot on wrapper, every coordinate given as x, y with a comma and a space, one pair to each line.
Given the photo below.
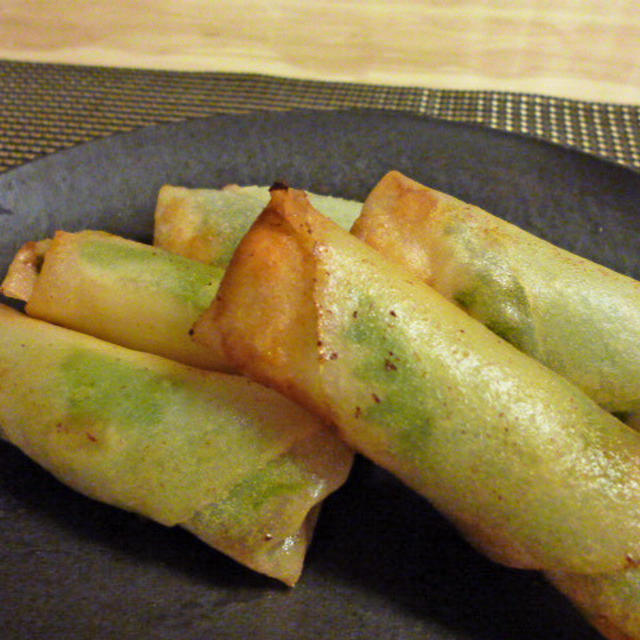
278, 185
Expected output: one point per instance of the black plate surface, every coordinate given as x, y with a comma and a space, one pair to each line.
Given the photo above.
383, 564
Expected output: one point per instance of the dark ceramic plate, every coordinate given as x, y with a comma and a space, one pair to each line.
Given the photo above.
383, 564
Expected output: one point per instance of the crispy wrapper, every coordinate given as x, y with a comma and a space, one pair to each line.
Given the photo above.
577, 317
208, 224
530, 468
24, 270
122, 291
237, 464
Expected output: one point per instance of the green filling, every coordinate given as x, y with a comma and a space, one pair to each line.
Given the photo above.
281, 477
400, 392
107, 388
503, 309
184, 279
227, 216
466, 298
494, 295
342, 212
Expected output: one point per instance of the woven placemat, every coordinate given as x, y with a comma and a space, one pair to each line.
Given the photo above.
47, 107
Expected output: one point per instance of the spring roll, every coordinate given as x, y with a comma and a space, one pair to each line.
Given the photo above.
207, 224
578, 318
531, 470
235, 463
119, 290
525, 463
530, 467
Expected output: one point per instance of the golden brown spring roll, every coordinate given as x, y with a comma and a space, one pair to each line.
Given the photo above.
530, 469
578, 318
122, 291
237, 464
430, 393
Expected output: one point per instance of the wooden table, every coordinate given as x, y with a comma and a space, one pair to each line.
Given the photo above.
583, 49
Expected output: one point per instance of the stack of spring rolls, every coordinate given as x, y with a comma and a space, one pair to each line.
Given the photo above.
480, 365
101, 384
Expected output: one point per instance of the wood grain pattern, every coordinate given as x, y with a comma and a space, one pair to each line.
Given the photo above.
585, 49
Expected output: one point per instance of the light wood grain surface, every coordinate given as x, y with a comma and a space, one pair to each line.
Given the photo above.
584, 49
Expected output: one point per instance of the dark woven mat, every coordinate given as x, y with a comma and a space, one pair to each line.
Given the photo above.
46, 107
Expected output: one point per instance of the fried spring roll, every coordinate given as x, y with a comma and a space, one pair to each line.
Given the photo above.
531, 470
237, 464
122, 291
207, 224
578, 318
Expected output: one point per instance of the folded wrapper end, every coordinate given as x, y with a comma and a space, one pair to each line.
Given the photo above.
207, 224
312, 469
281, 559
24, 269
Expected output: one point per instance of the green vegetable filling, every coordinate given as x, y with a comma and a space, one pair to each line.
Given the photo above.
185, 280
108, 388
400, 392
493, 294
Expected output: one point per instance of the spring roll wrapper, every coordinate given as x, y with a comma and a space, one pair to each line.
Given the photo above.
125, 292
208, 224
579, 318
24, 269
235, 463
528, 467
